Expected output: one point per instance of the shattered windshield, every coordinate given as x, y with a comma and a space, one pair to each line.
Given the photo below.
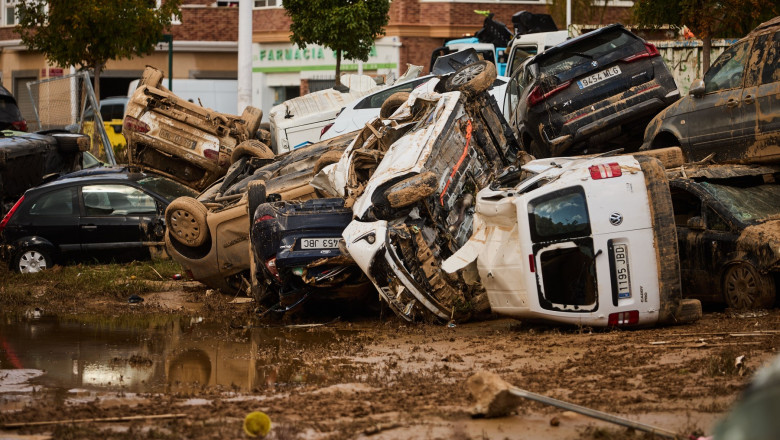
748, 204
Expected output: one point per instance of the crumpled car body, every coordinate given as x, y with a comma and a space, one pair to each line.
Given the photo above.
580, 241
732, 115
295, 245
180, 139
209, 236
728, 227
411, 186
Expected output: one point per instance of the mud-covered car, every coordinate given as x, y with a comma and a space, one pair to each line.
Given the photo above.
732, 113
295, 245
182, 140
581, 241
209, 236
30, 159
411, 186
589, 94
728, 226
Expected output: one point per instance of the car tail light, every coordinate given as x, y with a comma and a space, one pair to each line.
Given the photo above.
605, 171
271, 266
623, 318
133, 124
536, 96
531, 263
210, 154
325, 129
264, 218
19, 125
10, 214
650, 51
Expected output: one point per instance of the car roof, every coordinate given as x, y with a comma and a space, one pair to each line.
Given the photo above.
108, 174
5, 92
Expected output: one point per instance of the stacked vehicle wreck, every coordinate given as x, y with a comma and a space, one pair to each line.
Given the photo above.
437, 209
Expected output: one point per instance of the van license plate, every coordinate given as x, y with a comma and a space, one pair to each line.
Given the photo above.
622, 275
599, 77
320, 243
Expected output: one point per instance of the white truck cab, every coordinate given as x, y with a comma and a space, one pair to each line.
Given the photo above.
527, 45
583, 241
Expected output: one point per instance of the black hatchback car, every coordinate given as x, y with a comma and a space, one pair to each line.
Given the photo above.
87, 212
593, 93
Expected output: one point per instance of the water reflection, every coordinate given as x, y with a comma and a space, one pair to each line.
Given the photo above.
162, 354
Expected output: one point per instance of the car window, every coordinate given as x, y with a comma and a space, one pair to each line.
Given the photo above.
764, 60
612, 45
726, 72
520, 54
513, 92
166, 187
559, 215
376, 100
715, 222
55, 203
112, 111
569, 275
9, 111
685, 206
116, 199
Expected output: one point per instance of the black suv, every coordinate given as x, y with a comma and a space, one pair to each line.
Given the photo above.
10, 116
589, 94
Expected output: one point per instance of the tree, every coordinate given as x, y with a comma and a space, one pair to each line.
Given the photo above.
89, 33
348, 27
707, 19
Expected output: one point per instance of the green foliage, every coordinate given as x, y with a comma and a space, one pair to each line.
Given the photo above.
348, 27
706, 18
88, 33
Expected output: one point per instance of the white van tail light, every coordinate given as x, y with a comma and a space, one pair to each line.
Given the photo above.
605, 171
623, 318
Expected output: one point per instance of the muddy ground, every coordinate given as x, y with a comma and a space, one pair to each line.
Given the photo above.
371, 377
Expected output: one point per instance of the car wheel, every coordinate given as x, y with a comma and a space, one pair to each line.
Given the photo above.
186, 220
252, 148
256, 196
472, 79
31, 260
745, 288
392, 103
330, 156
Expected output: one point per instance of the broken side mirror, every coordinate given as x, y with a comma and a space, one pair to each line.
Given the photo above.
696, 223
697, 88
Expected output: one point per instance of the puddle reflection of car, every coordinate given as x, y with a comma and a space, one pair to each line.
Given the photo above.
733, 112
209, 236
114, 211
593, 93
729, 239
182, 140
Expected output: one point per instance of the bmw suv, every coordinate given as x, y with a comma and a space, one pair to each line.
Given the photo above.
589, 94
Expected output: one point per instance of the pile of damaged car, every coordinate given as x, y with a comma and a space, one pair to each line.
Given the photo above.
462, 195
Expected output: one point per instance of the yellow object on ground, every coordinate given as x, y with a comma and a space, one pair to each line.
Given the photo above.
257, 423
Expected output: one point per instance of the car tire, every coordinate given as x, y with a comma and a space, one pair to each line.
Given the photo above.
256, 196
252, 148
252, 116
392, 103
186, 221
412, 189
31, 259
330, 157
689, 310
743, 287
472, 79
71, 142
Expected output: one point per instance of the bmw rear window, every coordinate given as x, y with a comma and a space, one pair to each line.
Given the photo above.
603, 48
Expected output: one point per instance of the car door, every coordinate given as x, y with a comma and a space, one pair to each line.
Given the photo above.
717, 123
54, 217
760, 98
116, 216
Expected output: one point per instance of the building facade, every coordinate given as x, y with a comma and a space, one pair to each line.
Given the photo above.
205, 45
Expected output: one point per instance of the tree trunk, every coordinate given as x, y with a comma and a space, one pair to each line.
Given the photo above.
338, 69
96, 81
706, 49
